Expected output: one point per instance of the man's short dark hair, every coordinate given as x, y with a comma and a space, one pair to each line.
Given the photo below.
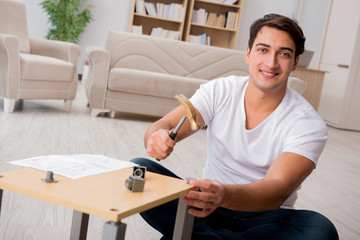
281, 23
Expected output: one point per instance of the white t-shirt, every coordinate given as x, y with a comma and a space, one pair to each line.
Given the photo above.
236, 155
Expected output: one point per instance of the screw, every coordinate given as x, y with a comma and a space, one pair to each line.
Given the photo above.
49, 177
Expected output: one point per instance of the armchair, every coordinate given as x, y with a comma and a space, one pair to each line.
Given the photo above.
33, 68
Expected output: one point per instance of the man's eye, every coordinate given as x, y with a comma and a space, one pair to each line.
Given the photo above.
285, 54
262, 50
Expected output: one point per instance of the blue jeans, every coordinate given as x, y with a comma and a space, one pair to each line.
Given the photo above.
227, 224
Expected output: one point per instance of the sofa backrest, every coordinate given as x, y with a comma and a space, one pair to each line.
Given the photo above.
13, 22
142, 52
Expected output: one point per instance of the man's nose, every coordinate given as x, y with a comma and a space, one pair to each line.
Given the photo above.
272, 61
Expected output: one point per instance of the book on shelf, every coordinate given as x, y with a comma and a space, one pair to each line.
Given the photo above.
230, 1
150, 9
174, 35
221, 20
231, 20
199, 16
137, 29
174, 11
211, 20
223, 1
140, 7
216, 20
202, 39
160, 9
164, 33
156, 31
179, 12
194, 39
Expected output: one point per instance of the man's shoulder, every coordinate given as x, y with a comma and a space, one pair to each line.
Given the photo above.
299, 112
299, 105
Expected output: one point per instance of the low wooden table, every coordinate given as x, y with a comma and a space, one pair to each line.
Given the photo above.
103, 195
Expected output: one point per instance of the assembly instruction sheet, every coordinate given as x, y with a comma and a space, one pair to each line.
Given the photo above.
74, 166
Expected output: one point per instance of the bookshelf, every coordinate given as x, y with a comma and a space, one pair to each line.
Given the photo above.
211, 22
162, 18
217, 21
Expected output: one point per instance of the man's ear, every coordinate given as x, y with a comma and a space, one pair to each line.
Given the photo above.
296, 63
247, 55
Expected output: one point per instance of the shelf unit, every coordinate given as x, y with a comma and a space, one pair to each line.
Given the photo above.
149, 22
220, 36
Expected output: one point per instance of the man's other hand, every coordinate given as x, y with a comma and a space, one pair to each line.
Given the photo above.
206, 200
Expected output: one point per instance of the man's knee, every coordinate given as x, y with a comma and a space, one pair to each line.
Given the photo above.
149, 164
322, 227
140, 161
153, 166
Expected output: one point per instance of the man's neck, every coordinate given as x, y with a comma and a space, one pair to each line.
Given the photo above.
260, 104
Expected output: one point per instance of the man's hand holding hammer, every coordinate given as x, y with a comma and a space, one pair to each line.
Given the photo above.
161, 136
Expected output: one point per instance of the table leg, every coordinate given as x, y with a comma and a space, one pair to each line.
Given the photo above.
79, 226
114, 231
1, 193
184, 222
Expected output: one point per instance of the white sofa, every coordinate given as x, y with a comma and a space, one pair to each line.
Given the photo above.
142, 74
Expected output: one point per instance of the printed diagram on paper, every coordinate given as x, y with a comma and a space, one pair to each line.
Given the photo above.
74, 166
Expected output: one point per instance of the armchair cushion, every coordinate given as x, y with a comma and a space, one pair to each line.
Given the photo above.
45, 68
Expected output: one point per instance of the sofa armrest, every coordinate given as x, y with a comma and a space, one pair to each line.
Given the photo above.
66, 51
9, 65
297, 84
97, 81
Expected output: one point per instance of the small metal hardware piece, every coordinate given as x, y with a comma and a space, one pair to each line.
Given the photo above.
135, 184
136, 181
139, 171
49, 177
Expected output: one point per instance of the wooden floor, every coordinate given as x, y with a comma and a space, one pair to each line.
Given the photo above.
41, 128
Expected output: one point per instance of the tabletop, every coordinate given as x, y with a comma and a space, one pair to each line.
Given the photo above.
103, 195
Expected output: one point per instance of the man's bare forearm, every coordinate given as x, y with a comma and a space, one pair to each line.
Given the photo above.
257, 196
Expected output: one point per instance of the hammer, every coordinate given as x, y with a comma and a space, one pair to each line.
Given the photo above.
189, 113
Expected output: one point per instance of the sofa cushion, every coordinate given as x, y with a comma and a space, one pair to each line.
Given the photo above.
35, 67
151, 83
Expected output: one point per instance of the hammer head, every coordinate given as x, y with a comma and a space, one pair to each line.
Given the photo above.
189, 112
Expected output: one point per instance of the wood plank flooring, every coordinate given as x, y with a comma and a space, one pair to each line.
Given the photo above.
40, 127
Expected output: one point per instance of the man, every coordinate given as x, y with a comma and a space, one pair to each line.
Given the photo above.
263, 141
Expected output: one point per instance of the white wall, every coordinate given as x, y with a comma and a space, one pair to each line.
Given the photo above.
107, 14
254, 9
114, 14
313, 19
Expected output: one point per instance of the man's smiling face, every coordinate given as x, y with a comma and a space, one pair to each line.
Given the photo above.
271, 59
